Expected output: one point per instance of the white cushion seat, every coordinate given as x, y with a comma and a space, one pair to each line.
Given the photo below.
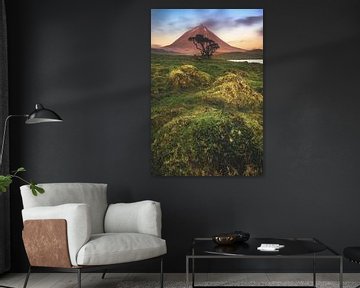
114, 248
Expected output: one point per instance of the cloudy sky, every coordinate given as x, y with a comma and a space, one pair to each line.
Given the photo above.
241, 28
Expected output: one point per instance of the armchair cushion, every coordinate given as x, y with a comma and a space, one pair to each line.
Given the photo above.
113, 248
78, 221
138, 217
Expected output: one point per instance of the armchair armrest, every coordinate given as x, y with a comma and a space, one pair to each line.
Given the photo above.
138, 217
77, 217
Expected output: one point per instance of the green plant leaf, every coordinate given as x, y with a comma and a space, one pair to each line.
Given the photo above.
20, 169
36, 189
33, 188
39, 189
5, 182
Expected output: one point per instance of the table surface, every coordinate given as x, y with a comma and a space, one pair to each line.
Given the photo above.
293, 247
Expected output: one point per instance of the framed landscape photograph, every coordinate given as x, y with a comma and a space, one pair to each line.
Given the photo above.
207, 92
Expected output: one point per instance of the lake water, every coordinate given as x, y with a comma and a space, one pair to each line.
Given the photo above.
260, 61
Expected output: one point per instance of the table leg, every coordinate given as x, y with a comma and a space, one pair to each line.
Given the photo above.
341, 273
193, 267
193, 272
314, 271
187, 272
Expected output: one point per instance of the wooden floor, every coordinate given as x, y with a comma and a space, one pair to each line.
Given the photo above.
68, 280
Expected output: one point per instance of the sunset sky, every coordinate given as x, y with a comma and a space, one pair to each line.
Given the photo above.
241, 28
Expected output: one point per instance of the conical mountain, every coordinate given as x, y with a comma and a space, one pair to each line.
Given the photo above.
182, 45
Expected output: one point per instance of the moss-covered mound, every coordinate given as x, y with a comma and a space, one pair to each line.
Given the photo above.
188, 76
206, 117
232, 89
208, 143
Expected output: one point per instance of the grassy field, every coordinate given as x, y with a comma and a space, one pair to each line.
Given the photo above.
206, 116
254, 54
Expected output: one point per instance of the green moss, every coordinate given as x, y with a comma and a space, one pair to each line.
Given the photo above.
206, 117
208, 143
159, 80
232, 89
188, 76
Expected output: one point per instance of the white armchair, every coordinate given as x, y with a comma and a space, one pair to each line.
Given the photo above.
72, 228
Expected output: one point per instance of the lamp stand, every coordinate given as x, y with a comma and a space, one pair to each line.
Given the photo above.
39, 115
4, 135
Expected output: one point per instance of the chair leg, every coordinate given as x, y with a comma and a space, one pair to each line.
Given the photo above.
103, 275
27, 277
161, 272
79, 277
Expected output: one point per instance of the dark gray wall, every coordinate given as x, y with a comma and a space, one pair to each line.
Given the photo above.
89, 60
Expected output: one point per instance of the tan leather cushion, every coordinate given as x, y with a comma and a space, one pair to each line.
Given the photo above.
77, 218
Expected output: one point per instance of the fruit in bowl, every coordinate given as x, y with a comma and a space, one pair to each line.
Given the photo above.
231, 238
224, 239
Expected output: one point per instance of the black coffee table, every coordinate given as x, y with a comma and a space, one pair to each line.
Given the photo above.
295, 248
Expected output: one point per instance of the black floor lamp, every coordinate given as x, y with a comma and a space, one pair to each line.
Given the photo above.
39, 115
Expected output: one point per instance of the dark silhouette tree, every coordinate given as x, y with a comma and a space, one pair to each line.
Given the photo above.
206, 46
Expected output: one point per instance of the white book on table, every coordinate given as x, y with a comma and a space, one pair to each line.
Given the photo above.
270, 247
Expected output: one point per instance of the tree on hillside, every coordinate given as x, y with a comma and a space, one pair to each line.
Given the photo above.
206, 46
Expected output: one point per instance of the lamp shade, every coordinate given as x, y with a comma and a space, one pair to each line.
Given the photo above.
42, 115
